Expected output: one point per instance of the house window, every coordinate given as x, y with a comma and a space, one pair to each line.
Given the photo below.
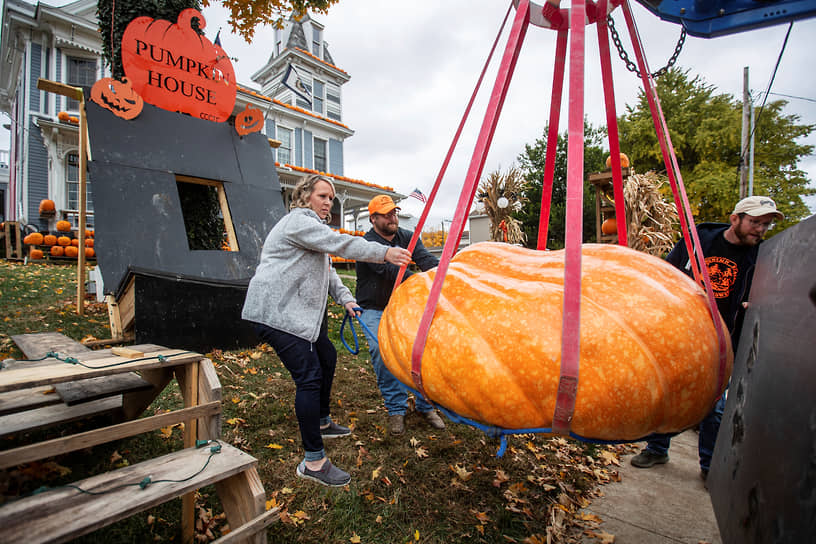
317, 96
206, 214
320, 162
316, 39
333, 110
81, 73
285, 149
72, 182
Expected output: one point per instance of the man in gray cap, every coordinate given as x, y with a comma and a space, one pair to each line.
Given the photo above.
730, 253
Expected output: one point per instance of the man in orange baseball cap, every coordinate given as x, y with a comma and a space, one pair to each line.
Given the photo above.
374, 284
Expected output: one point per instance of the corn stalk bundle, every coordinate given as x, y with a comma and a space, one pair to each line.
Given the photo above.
650, 220
503, 227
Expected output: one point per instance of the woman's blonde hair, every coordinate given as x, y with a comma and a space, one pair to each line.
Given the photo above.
303, 191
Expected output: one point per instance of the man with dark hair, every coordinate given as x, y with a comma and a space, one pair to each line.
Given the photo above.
374, 285
730, 253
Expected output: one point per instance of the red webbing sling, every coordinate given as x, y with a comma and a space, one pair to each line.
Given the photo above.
443, 169
683, 207
474, 172
571, 319
611, 121
552, 136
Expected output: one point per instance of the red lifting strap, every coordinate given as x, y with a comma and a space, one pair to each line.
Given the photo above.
488, 128
443, 169
683, 207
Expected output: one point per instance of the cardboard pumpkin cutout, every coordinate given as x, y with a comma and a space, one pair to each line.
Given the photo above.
248, 121
118, 97
173, 67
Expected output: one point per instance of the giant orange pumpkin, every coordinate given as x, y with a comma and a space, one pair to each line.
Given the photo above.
649, 354
57, 251
118, 97
36, 254
49, 239
63, 226
47, 206
71, 251
173, 67
64, 241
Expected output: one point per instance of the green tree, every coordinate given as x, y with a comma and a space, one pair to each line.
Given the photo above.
705, 129
532, 165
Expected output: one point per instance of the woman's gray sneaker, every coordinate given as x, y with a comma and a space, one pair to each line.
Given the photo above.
334, 431
328, 474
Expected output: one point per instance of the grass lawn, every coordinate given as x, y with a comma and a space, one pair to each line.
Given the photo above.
425, 486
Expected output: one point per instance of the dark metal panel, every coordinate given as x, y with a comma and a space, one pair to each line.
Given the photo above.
138, 218
190, 314
763, 473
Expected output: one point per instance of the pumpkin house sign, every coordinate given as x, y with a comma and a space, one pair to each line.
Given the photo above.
175, 68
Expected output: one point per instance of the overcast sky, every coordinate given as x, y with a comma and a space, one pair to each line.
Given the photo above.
414, 65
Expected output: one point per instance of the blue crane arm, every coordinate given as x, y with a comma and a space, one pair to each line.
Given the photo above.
711, 18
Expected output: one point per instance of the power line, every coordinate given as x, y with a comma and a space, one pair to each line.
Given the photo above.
768, 90
792, 96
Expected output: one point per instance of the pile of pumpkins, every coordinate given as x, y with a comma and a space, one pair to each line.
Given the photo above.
61, 244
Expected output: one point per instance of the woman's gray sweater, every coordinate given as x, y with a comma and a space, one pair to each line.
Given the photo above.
289, 289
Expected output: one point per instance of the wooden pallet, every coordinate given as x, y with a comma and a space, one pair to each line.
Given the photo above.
64, 513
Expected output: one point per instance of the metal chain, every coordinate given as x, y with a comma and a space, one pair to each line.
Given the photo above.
631, 66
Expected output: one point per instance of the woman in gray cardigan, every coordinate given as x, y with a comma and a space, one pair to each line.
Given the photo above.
287, 299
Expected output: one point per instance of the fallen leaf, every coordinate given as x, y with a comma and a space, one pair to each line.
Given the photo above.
376, 472
166, 432
355, 539
236, 421
463, 473
421, 453
274, 446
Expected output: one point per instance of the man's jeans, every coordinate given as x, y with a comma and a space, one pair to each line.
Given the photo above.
393, 392
709, 427
312, 369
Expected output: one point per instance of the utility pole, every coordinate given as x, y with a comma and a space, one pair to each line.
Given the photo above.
746, 121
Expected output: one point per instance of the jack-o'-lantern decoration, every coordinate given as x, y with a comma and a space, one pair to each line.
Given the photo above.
173, 67
118, 97
249, 120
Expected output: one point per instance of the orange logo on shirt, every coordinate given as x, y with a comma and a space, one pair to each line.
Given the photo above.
723, 273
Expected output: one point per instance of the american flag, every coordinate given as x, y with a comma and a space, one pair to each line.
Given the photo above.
416, 193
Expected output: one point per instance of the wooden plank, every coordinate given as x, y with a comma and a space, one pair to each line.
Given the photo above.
133, 404
58, 446
187, 377
27, 399
127, 352
243, 499
20, 378
80, 391
62, 514
127, 306
209, 390
117, 333
55, 414
38, 344
250, 528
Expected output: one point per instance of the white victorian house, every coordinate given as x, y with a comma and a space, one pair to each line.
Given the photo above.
63, 44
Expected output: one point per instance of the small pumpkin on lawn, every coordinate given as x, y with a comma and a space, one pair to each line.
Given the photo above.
649, 354
63, 226
33, 239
